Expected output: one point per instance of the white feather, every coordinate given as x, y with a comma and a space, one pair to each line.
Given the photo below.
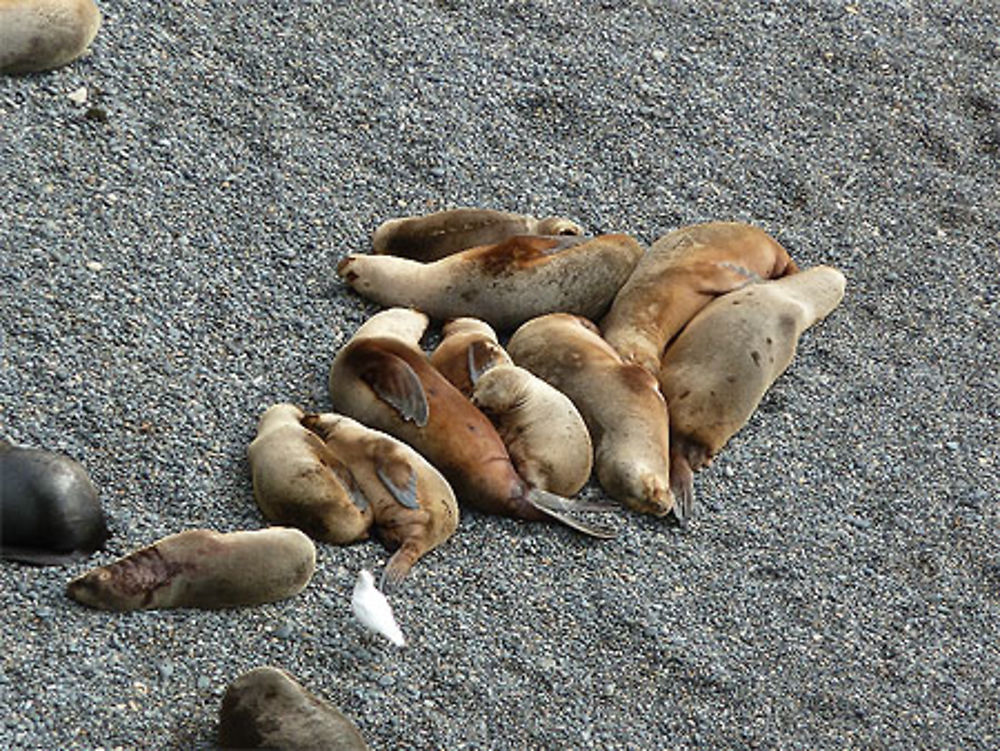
373, 610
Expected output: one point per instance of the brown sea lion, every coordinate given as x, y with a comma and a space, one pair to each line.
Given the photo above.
199, 568
267, 708
543, 431
299, 482
719, 368
414, 506
468, 348
503, 284
49, 510
434, 236
37, 35
683, 272
388, 383
620, 402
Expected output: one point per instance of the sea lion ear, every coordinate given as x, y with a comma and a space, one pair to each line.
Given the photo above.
405, 496
482, 357
396, 383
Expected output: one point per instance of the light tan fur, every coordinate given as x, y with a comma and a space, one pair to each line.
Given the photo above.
434, 236
620, 403
467, 343
38, 35
199, 568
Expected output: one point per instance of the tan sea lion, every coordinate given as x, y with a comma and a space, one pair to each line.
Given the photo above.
49, 510
434, 236
37, 35
468, 348
503, 284
620, 402
414, 506
299, 482
267, 708
199, 568
388, 383
543, 431
720, 366
683, 272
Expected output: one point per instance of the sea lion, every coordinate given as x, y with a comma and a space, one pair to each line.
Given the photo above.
199, 568
49, 509
503, 284
299, 482
387, 383
267, 708
468, 348
37, 35
413, 505
620, 403
683, 272
543, 431
720, 366
433, 236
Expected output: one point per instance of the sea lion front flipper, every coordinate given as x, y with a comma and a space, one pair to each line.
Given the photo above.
483, 356
396, 383
399, 566
561, 509
405, 496
35, 557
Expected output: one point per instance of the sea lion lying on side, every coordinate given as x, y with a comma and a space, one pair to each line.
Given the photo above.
683, 272
432, 237
199, 568
620, 402
49, 510
719, 368
38, 35
386, 381
267, 708
502, 284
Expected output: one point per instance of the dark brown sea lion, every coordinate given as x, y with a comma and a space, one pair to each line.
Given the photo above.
266, 708
37, 35
503, 284
683, 272
620, 402
199, 568
414, 506
435, 236
49, 509
385, 381
719, 368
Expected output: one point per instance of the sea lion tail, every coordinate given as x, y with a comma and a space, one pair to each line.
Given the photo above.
562, 510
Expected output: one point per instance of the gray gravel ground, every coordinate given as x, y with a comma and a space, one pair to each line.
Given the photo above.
168, 272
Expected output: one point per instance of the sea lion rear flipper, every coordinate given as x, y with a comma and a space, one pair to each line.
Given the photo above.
561, 509
482, 356
404, 496
398, 567
396, 383
682, 486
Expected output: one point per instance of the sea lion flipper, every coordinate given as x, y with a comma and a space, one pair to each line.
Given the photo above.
398, 567
405, 496
396, 383
682, 486
561, 510
482, 356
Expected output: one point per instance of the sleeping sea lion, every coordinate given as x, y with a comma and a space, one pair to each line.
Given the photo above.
433, 236
299, 482
544, 433
414, 506
387, 383
49, 509
719, 368
683, 272
199, 568
620, 402
267, 708
503, 284
37, 35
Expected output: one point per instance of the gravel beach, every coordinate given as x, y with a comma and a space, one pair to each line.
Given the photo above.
168, 271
